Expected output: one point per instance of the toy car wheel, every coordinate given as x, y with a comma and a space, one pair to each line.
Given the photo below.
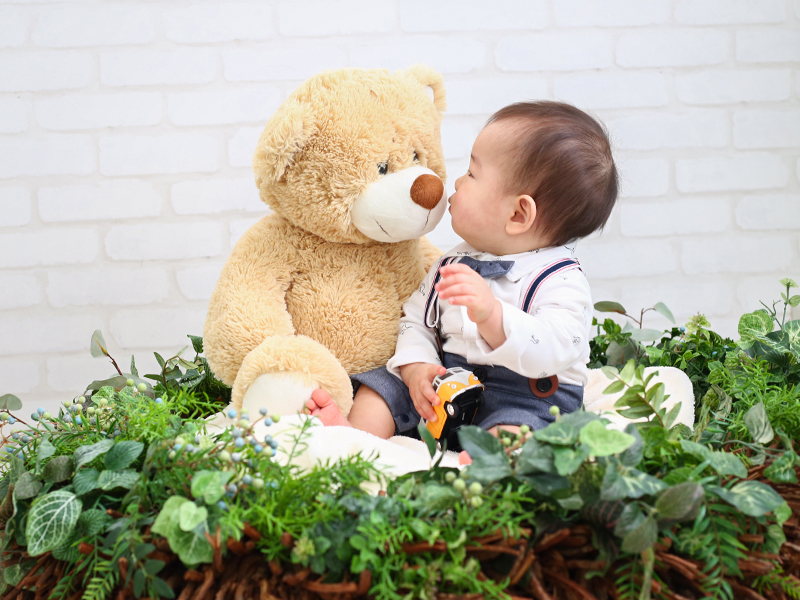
451, 409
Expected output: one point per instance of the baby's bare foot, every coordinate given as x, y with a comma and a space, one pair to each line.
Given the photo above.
322, 406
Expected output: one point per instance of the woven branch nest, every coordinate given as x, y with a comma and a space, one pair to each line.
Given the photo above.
552, 568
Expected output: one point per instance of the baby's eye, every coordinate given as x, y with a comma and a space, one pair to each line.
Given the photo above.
469, 173
383, 168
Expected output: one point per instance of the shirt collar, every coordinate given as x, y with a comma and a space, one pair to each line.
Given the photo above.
524, 262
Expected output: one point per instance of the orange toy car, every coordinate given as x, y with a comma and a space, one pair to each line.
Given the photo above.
461, 395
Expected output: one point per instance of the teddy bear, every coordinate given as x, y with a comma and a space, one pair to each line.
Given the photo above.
352, 166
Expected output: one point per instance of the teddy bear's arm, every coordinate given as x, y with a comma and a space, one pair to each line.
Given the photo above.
248, 303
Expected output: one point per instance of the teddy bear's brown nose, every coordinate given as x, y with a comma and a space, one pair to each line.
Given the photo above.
427, 190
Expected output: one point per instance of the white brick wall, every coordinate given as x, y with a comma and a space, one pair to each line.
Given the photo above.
127, 131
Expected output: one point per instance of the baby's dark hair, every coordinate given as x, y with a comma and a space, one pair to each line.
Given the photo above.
561, 157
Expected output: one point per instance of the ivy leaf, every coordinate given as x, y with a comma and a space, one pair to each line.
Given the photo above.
642, 537
478, 442
547, 484
662, 309
535, 458
428, 438
58, 469
488, 468
86, 454
782, 468
758, 425
210, 485
607, 306
10, 402
170, 509
568, 460
191, 515
98, 347
562, 434
604, 442
122, 454
680, 501
51, 521
753, 498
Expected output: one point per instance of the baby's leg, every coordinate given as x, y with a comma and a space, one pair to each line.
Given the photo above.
370, 412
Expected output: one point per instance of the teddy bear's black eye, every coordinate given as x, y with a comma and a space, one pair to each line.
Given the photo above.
416, 157
383, 168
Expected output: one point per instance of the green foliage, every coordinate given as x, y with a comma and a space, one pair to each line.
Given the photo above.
144, 453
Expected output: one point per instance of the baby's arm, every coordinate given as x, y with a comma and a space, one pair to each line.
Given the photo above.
550, 339
461, 285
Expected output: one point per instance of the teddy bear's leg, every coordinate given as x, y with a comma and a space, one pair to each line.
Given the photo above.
281, 372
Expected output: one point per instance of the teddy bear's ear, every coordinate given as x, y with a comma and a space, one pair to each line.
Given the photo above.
428, 76
285, 134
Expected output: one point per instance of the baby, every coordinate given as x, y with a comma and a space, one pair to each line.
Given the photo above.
511, 303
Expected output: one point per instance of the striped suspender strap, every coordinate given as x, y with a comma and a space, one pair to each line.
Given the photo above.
549, 270
431, 303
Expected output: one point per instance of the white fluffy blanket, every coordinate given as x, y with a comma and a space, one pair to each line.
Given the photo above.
399, 455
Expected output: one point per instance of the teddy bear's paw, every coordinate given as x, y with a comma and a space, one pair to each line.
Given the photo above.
280, 393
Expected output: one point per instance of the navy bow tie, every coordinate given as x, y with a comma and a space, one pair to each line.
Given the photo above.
488, 268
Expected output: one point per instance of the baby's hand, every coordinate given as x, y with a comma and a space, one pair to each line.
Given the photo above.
418, 377
463, 286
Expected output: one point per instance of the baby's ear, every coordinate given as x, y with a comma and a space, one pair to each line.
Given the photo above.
285, 134
430, 77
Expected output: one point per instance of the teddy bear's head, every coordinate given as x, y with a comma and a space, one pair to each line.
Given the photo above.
355, 155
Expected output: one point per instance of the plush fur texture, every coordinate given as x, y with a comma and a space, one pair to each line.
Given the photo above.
305, 293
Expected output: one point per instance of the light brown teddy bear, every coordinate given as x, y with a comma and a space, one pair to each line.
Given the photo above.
353, 168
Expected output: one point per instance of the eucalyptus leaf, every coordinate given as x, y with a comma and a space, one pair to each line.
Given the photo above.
98, 346
633, 455
607, 306
662, 309
10, 402
646, 335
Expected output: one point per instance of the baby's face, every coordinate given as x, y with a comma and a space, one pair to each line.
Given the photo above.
479, 209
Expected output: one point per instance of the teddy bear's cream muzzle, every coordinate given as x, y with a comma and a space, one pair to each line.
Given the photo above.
400, 206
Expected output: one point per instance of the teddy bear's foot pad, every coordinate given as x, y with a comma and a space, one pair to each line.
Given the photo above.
280, 393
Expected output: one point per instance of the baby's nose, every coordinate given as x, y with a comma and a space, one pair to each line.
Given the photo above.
427, 190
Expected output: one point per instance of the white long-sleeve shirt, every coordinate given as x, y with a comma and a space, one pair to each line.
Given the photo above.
552, 338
